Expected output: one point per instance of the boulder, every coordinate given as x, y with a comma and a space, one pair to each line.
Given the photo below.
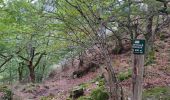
92, 67
77, 92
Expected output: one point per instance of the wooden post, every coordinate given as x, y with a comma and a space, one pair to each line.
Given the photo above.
138, 67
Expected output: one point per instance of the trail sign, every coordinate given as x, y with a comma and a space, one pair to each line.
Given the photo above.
138, 67
138, 46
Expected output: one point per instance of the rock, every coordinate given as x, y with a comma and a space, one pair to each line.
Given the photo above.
92, 67
164, 36
97, 83
160, 44
77, 92
74, 76
46, 87
129, 98
77, 74
32, 97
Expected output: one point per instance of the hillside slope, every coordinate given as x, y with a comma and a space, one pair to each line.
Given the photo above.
59, 87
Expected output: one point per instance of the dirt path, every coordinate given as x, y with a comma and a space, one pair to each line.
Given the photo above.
58, 88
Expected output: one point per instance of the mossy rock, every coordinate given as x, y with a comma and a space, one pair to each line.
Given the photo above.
77, 92
7, 93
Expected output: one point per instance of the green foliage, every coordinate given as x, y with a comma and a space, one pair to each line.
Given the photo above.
85, 98
150, 58
50, 97
84, 85
7, 93
100, 80
157, 93
73, 23
99, 94
125, 75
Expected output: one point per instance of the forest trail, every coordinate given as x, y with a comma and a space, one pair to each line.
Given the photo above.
53, 87
157, 74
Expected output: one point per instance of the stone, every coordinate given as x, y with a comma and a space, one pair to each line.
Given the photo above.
47, 87
92, 67
97, 83
77, 92
160, 44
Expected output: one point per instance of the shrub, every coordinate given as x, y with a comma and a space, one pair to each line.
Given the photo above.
151, 58
125, 75
101, 81
7, 93
99, 94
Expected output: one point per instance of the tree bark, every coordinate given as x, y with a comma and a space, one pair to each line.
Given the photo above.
32, 72
137, 75
137, 78
112, 80
20, 72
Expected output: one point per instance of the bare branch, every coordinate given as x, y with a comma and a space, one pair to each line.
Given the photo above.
23, 58
39, 59
7, 60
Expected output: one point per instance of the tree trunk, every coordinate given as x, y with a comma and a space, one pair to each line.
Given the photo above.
120, 46
137, 75
32, 73
81, 60
43, 71
149, 34
112, 80
113, 83
20, 72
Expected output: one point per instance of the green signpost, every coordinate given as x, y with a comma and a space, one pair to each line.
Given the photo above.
138, 46
138, 67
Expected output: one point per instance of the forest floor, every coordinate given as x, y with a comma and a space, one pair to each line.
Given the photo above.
157, 73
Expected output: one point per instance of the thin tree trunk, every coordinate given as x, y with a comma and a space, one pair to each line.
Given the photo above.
43, 71
32, 75
81, 60
32, 72
20, 73
149, 34
112, 80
